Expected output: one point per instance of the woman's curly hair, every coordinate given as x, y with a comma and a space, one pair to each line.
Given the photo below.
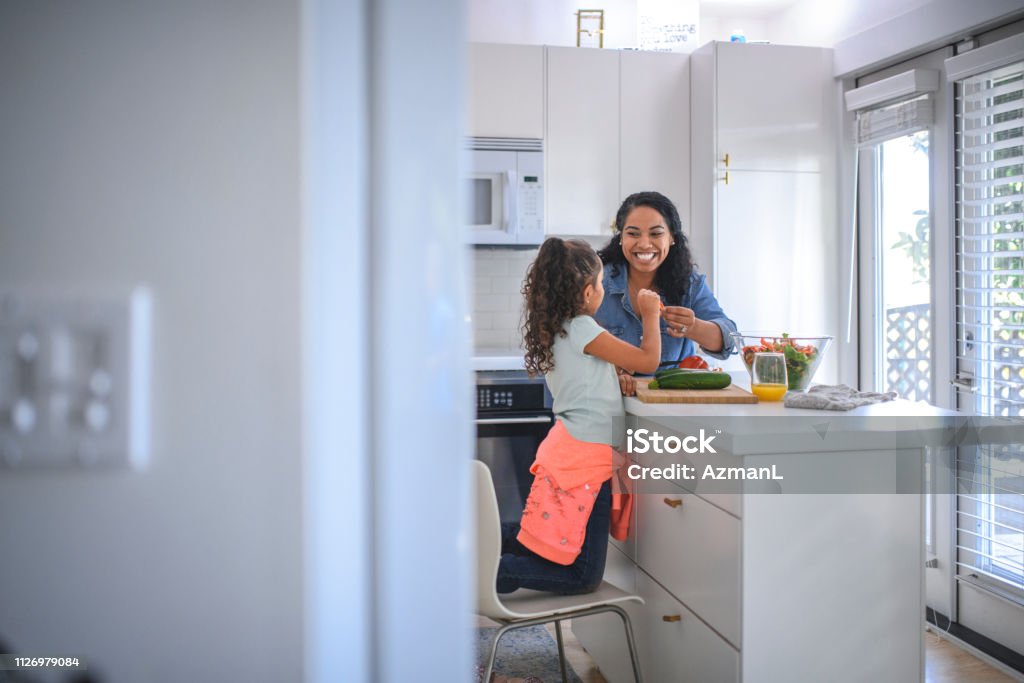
672, 279
553, 295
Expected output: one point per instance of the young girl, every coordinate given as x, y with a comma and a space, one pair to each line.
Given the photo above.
561, 541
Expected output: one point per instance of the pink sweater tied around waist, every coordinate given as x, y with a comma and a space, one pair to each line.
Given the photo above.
568, 475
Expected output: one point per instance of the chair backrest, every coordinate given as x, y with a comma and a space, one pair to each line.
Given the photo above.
488, 543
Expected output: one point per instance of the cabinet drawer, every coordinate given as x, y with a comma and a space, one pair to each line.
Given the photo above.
683, 650
693, 550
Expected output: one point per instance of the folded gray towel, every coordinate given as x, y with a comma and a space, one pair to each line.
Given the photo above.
838, 397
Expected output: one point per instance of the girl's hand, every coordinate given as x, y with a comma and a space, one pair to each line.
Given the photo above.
627, 383
649, 303
680, 321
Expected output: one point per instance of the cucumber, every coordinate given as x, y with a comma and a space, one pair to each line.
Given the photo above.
700, 379
675, 371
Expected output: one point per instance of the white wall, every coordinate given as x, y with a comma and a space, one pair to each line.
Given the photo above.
720, 27
159, 143
823, 24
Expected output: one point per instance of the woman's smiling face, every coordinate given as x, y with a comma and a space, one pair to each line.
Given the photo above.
645, 239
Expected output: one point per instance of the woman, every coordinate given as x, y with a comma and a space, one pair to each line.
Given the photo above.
649, 251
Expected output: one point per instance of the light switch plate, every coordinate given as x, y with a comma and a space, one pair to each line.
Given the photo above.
75, 378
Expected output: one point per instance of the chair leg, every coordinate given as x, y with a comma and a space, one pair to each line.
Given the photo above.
629, 640
489, 669
561, 650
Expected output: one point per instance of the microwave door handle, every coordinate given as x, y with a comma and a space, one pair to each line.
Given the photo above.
511, 196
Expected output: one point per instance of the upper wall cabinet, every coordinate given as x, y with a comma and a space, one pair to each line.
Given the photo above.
613, 123
582, 142
506, 91
654, 113
771, 105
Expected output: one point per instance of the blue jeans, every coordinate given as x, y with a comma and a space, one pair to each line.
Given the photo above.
520, 567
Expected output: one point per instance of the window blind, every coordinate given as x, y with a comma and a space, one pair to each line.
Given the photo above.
895, 120
990, 323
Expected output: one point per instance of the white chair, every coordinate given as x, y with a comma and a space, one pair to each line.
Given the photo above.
526, 607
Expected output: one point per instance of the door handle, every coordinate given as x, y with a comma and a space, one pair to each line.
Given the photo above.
965, 383
673, 502
511, 201
671, 618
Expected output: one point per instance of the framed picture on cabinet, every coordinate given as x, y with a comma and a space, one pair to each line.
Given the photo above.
590, 28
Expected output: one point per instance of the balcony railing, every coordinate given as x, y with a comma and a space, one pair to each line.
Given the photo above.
908, 351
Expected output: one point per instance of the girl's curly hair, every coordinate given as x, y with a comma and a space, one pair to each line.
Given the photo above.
553, 295
673, 277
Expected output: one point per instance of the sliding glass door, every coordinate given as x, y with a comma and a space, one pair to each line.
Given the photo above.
990, 349
906, 274
905, 242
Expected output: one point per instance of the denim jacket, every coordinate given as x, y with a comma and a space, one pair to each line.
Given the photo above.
616, 315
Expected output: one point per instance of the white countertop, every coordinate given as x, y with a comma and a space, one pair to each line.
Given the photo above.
897, 408
880, 425
497, 359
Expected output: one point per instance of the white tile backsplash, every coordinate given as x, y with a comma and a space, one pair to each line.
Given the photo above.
498, 303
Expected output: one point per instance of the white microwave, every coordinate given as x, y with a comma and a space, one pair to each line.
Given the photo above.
505, 197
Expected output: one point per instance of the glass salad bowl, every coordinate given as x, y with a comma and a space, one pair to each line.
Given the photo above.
803, 354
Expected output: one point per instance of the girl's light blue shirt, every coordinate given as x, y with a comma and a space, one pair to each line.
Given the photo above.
617, 316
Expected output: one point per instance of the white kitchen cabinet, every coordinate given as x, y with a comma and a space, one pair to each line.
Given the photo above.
816, 577
773, 252
654, 115
582, 141
505, 84
764, 222
772, 102
613, 123
708, 581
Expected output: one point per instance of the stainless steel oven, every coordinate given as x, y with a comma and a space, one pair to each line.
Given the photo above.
513, 415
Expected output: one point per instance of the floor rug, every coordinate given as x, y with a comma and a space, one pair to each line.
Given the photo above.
529, 651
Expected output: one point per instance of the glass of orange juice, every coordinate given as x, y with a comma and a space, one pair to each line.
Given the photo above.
768, 379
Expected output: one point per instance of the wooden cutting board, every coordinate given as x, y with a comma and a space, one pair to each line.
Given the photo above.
731, 394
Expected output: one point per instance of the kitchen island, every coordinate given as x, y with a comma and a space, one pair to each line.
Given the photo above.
814, 576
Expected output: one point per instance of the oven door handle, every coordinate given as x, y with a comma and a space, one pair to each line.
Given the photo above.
540, 419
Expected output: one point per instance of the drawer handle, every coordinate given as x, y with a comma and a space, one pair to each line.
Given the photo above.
673, 502
671, 618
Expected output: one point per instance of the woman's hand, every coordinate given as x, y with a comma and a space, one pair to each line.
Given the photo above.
680, 321
627, 383
649, 303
